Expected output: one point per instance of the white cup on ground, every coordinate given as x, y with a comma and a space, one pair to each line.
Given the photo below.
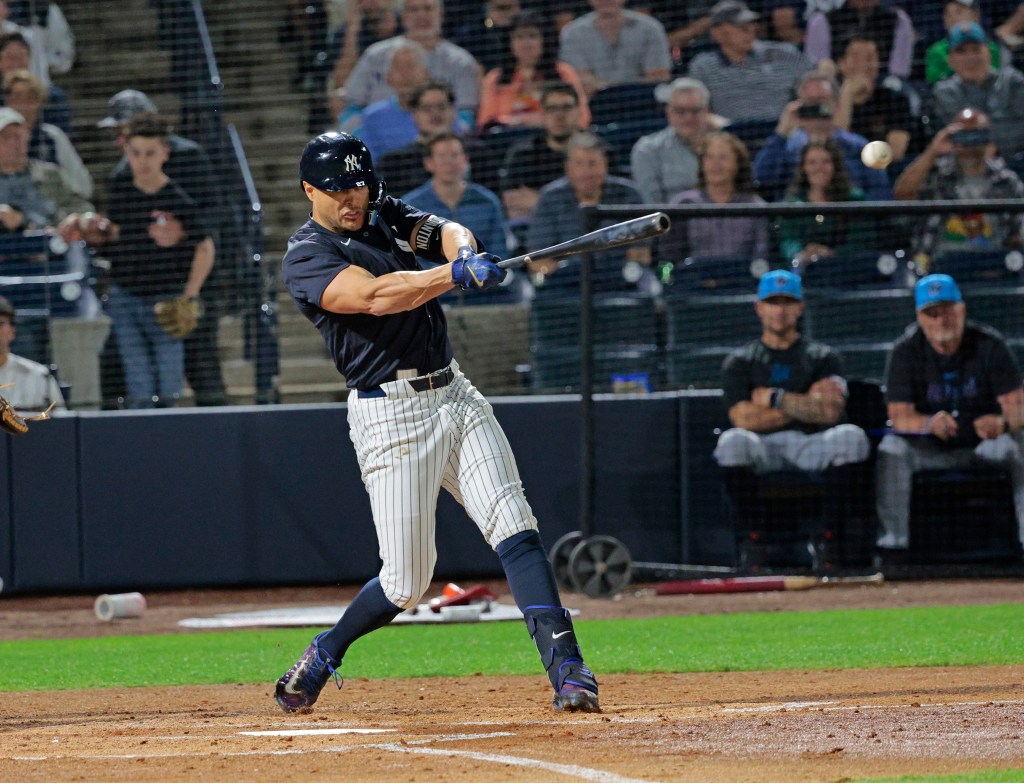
110, 607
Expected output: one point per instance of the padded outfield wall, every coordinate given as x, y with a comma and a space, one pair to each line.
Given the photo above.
272, 495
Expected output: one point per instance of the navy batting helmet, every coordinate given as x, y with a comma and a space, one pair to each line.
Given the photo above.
337, 161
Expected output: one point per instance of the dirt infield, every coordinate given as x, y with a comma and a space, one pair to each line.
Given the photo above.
768, 727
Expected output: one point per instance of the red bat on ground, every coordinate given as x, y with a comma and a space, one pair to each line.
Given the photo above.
754, 584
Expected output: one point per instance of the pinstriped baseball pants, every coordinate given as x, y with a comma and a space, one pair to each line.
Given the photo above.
411, 444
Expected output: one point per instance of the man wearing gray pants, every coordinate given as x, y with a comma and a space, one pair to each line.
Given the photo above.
785, 395
786, 398
954, 397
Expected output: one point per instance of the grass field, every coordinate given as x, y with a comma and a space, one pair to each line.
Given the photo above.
841, 639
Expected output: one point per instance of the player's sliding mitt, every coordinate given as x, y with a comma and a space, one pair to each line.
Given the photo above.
178, 317
12, 422
476, 270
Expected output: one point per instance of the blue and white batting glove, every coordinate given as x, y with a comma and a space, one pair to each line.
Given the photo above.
476, 270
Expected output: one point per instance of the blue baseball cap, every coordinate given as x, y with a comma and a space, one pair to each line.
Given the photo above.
780, 283
934, 289
966, 32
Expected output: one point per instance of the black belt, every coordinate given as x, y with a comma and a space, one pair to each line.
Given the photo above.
436, 380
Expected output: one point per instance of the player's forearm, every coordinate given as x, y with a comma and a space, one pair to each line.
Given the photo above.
454, 236
812, 408
757, 418
909, 183
202, 265
397, 292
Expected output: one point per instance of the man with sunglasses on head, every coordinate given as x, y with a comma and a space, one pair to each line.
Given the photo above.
953, 394
665, 162
961, 163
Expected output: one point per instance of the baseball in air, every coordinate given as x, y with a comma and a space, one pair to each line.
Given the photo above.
876, 154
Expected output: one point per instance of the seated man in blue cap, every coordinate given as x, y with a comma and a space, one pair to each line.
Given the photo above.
786, 399
954, 397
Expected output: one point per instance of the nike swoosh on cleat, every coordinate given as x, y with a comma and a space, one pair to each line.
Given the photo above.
559, 635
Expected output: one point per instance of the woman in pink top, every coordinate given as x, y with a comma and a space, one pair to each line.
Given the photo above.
510, 95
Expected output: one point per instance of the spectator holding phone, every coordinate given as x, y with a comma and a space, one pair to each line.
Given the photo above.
811, 117
961, 163
976, 83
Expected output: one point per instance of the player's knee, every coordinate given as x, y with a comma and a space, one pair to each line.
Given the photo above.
849, 443
507, 515
893, 446
737, 448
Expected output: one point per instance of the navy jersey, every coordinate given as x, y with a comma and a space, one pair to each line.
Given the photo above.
367, 349
967, 383
794, 369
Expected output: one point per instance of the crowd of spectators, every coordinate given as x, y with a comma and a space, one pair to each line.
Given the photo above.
781, 76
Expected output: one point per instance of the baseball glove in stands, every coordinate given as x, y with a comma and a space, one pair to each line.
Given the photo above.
14, 424
178, 317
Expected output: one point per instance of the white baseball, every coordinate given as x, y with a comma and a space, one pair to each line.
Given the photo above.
876, 154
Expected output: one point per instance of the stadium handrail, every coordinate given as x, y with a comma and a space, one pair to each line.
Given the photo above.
794, 208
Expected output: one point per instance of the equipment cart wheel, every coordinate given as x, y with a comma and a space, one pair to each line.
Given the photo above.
600, 566
559, 558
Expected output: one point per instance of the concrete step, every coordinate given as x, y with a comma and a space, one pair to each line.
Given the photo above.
306, 347
293, 372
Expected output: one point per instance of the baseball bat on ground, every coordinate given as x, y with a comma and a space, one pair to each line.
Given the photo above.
754, 584
635, 230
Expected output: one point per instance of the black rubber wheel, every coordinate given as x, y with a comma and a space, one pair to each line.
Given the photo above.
600, 566
559, 558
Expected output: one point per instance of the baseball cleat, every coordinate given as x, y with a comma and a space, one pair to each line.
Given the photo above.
299, 688
578, 691
574, 698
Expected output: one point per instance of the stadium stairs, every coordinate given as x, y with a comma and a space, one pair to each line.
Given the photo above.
118, 48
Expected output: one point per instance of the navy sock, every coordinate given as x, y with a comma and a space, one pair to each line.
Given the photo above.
528, 571
369, 611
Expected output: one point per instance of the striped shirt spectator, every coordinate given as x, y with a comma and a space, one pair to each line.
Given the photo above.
748, 79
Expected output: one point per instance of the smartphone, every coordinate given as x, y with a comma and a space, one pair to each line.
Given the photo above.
972, 138
814, 111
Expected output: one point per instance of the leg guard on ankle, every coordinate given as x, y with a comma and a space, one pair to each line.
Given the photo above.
552, 632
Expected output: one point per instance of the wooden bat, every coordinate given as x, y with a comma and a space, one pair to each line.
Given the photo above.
753, 584
624, 233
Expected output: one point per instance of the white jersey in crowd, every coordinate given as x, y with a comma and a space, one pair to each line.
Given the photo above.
34, 385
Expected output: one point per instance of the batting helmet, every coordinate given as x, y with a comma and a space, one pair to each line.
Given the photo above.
337, 161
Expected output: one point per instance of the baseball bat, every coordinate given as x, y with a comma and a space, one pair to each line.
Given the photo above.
753, 584
624, 233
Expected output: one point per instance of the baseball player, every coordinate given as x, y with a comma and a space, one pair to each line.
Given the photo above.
416, 421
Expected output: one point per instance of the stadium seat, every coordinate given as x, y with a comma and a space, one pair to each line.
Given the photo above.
710, 319
623, 320
695, 366
632, 101
858, 316
863, 361
556, 369
716, 273
980, 265
859, 269
1001, 307
56, 294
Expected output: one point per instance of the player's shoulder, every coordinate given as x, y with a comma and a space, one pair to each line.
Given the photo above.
27, 367
816, 350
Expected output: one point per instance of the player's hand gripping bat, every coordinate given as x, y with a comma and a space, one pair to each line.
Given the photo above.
624, 233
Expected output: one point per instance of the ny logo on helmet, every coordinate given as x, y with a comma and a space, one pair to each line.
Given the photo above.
352, 163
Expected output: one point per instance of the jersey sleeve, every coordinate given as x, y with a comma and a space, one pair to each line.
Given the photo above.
898, 381
307, 271
1003, 368
735, 380
830, 364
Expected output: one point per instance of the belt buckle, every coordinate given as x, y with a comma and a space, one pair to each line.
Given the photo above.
430, 381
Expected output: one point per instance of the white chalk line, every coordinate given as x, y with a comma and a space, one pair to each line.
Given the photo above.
313, 732
572, 770
832, 706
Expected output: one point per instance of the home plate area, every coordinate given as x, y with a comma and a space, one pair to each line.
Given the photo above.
455, 605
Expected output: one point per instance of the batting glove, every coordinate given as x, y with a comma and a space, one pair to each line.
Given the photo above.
476, 270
